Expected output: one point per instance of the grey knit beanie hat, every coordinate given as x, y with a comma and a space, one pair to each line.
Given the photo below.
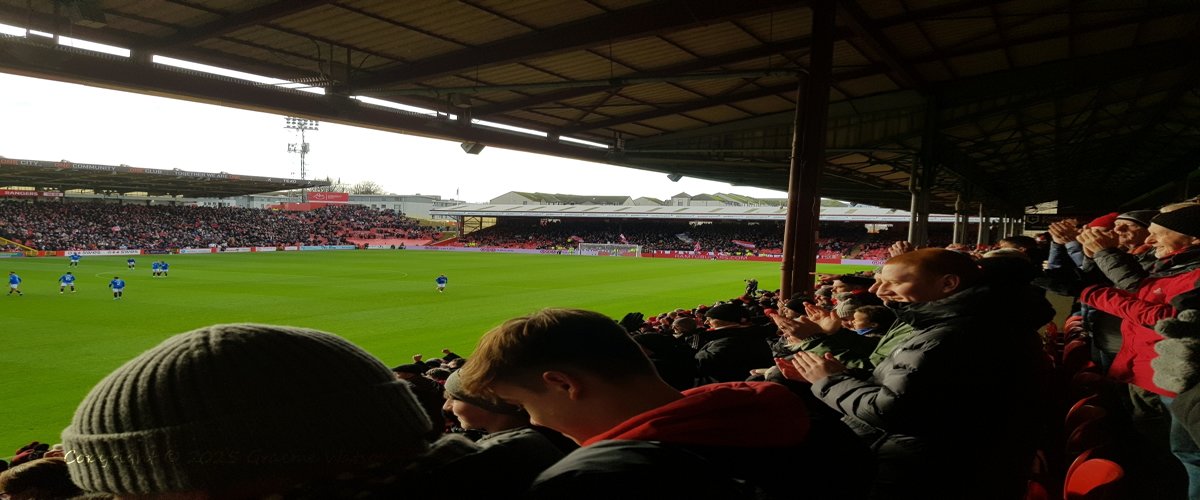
225, 405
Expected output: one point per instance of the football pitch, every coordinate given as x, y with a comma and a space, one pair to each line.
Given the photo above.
55, 347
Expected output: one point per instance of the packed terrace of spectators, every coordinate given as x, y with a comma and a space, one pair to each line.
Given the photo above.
98, 226
839, 240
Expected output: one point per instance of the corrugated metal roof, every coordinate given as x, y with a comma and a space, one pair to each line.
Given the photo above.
1028, 93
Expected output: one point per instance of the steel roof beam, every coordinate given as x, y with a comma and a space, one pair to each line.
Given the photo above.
682, 68
641, 20
679, 109
234, 22
861, 24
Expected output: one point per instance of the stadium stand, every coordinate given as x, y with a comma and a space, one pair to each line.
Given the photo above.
97, 226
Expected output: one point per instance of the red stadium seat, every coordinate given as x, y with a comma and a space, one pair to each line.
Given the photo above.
1077, 355
1080, 414
1035, 490
1052, 329
1088, 434
1094, 479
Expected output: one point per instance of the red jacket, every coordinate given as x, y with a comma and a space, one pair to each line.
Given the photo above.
738, 414
1139, 310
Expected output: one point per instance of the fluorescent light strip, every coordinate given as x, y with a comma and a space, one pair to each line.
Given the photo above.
583, 142
509, 128
93, 46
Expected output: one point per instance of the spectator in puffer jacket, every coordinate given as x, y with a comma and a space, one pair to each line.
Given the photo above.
968, 371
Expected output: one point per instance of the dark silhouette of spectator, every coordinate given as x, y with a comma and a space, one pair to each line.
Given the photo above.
44, 478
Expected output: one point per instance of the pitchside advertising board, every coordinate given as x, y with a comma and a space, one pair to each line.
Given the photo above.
324, 197
17, 193
99, 252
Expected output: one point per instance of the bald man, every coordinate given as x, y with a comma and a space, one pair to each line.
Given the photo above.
963, 380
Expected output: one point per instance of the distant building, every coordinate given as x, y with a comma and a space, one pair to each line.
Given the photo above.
412, 205
679, 200
523, 198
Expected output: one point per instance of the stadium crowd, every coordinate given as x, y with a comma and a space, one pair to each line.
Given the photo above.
839, 240
940, 375
99, 226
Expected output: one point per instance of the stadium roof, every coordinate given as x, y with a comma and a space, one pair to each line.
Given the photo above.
64, 176
779, 214
1095, 103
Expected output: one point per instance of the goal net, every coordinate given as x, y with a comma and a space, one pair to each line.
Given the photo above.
610, 250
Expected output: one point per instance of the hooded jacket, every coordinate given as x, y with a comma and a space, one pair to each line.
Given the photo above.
972, 364
958, 356
1172, 277
718, 435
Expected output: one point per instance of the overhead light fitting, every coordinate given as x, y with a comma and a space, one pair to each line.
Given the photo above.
472, 148
674, 177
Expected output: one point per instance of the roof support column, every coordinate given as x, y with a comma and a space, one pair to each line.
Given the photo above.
918, 229
981, 238
960, 228
808, 156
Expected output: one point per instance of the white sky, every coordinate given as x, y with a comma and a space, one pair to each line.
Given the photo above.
47, 120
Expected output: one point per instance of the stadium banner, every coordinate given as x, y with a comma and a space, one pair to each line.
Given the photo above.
327, 247
21, 193
323, 197
860, 262
157, 252
197, 250
683, 254
529, 251
99, 252
743, 243
10, 255
264, 249
443, 249
290, 248
235, 249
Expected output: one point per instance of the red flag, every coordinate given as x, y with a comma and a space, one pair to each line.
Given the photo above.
622, 238
742, 243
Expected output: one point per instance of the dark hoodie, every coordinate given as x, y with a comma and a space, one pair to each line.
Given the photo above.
729, 440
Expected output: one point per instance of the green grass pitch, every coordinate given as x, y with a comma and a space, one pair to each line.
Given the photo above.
54, 348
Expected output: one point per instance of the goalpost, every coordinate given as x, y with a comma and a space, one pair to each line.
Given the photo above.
610, 250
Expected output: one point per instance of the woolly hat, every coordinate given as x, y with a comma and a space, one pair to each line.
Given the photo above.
1105, 221
845, 308
455, 390
1139, 217
414, 368
1186, 220
225, 405
728, 312
856, 280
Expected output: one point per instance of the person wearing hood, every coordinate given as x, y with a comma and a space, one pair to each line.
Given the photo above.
579, 373
962, 369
